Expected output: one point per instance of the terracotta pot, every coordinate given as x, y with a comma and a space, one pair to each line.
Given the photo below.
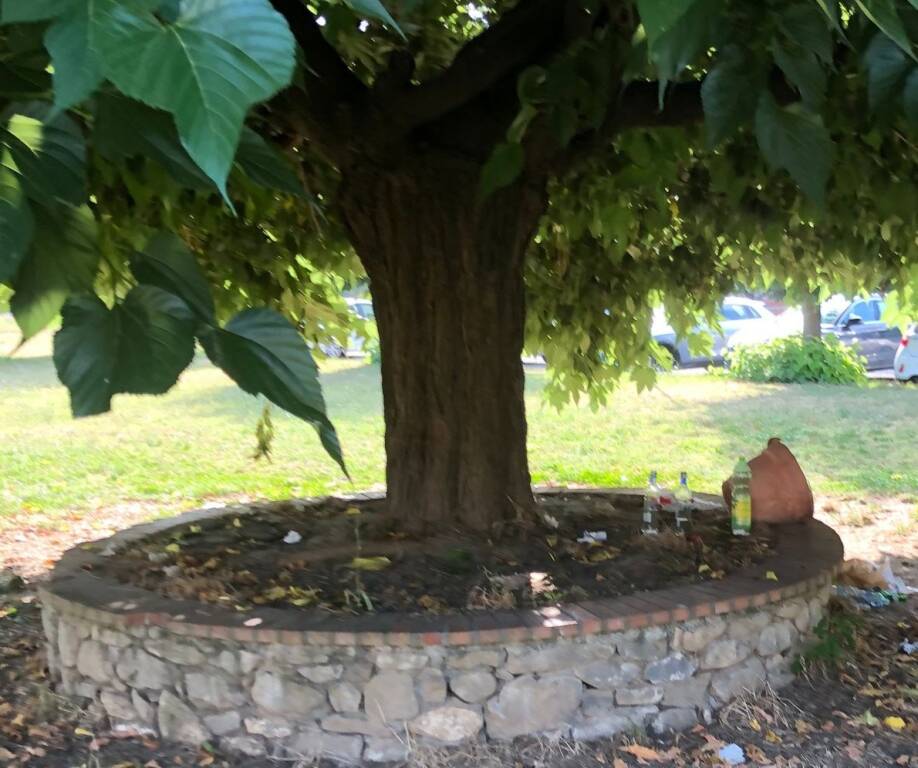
779, 489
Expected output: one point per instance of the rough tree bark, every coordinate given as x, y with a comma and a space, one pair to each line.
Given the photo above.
446, 275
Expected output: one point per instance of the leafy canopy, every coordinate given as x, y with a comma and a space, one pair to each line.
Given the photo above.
169, 167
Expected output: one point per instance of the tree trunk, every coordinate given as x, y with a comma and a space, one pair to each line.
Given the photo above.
447, 281
812, 318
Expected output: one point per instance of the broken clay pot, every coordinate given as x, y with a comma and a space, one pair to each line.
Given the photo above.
779, 490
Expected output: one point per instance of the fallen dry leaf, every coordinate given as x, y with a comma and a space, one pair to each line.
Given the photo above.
894, 722
646, 754
802, 726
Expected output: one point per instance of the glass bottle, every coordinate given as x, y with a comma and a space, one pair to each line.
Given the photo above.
683, 505
740, 500
651, 505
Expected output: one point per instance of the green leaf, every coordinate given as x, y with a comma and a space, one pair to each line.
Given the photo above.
830, 9
265, 355
207, 67
167, 263
660, 16
501, 169
16, 223
729, 95
61, 261
85, 349
883, 13
156, 341
887, 68
73, 40
24, 77
74, 52
266, 166
796, 141
33, 10
374, 9
806, 26
140, 347
564, 121
49, 157
679, 46
126, 128
910, 97
803, 70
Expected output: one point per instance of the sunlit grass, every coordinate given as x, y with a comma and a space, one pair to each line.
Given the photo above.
196, 442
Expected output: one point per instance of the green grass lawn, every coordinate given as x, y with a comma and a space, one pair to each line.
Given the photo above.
196, 442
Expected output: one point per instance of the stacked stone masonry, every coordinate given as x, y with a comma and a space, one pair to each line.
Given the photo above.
369, 696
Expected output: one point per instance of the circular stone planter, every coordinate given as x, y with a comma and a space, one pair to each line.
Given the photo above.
354, 688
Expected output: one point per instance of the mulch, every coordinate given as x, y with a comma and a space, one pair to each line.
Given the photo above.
351, 557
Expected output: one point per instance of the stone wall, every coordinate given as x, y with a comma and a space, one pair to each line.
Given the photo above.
356, 702
306, 684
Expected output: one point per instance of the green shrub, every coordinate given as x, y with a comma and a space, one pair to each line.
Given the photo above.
836, 639
795, 359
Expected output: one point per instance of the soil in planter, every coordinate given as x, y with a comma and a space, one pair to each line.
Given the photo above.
344, 557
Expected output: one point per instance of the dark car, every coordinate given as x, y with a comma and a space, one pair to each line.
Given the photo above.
861, 323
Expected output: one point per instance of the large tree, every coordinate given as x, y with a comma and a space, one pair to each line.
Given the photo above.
534, 173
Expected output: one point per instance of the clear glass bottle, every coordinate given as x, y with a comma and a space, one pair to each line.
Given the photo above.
651, 505
683, 505
740, 500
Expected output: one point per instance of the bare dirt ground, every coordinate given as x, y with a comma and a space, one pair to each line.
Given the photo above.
861, 711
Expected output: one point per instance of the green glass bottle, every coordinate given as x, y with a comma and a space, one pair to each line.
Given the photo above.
740, 501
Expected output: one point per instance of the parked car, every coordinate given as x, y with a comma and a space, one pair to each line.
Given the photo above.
362, 308
787, 323
735, 314
906, 361
861, 323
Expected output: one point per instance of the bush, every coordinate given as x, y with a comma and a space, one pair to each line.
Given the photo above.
795, 359
836, 639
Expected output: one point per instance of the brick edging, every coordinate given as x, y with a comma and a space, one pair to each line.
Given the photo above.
806, 558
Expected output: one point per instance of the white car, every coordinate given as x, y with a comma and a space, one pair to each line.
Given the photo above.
788, 323
906, 362
735, 313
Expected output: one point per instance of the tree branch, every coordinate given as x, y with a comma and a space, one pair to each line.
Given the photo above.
323, 64
320, 111
519, 38
639, 107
